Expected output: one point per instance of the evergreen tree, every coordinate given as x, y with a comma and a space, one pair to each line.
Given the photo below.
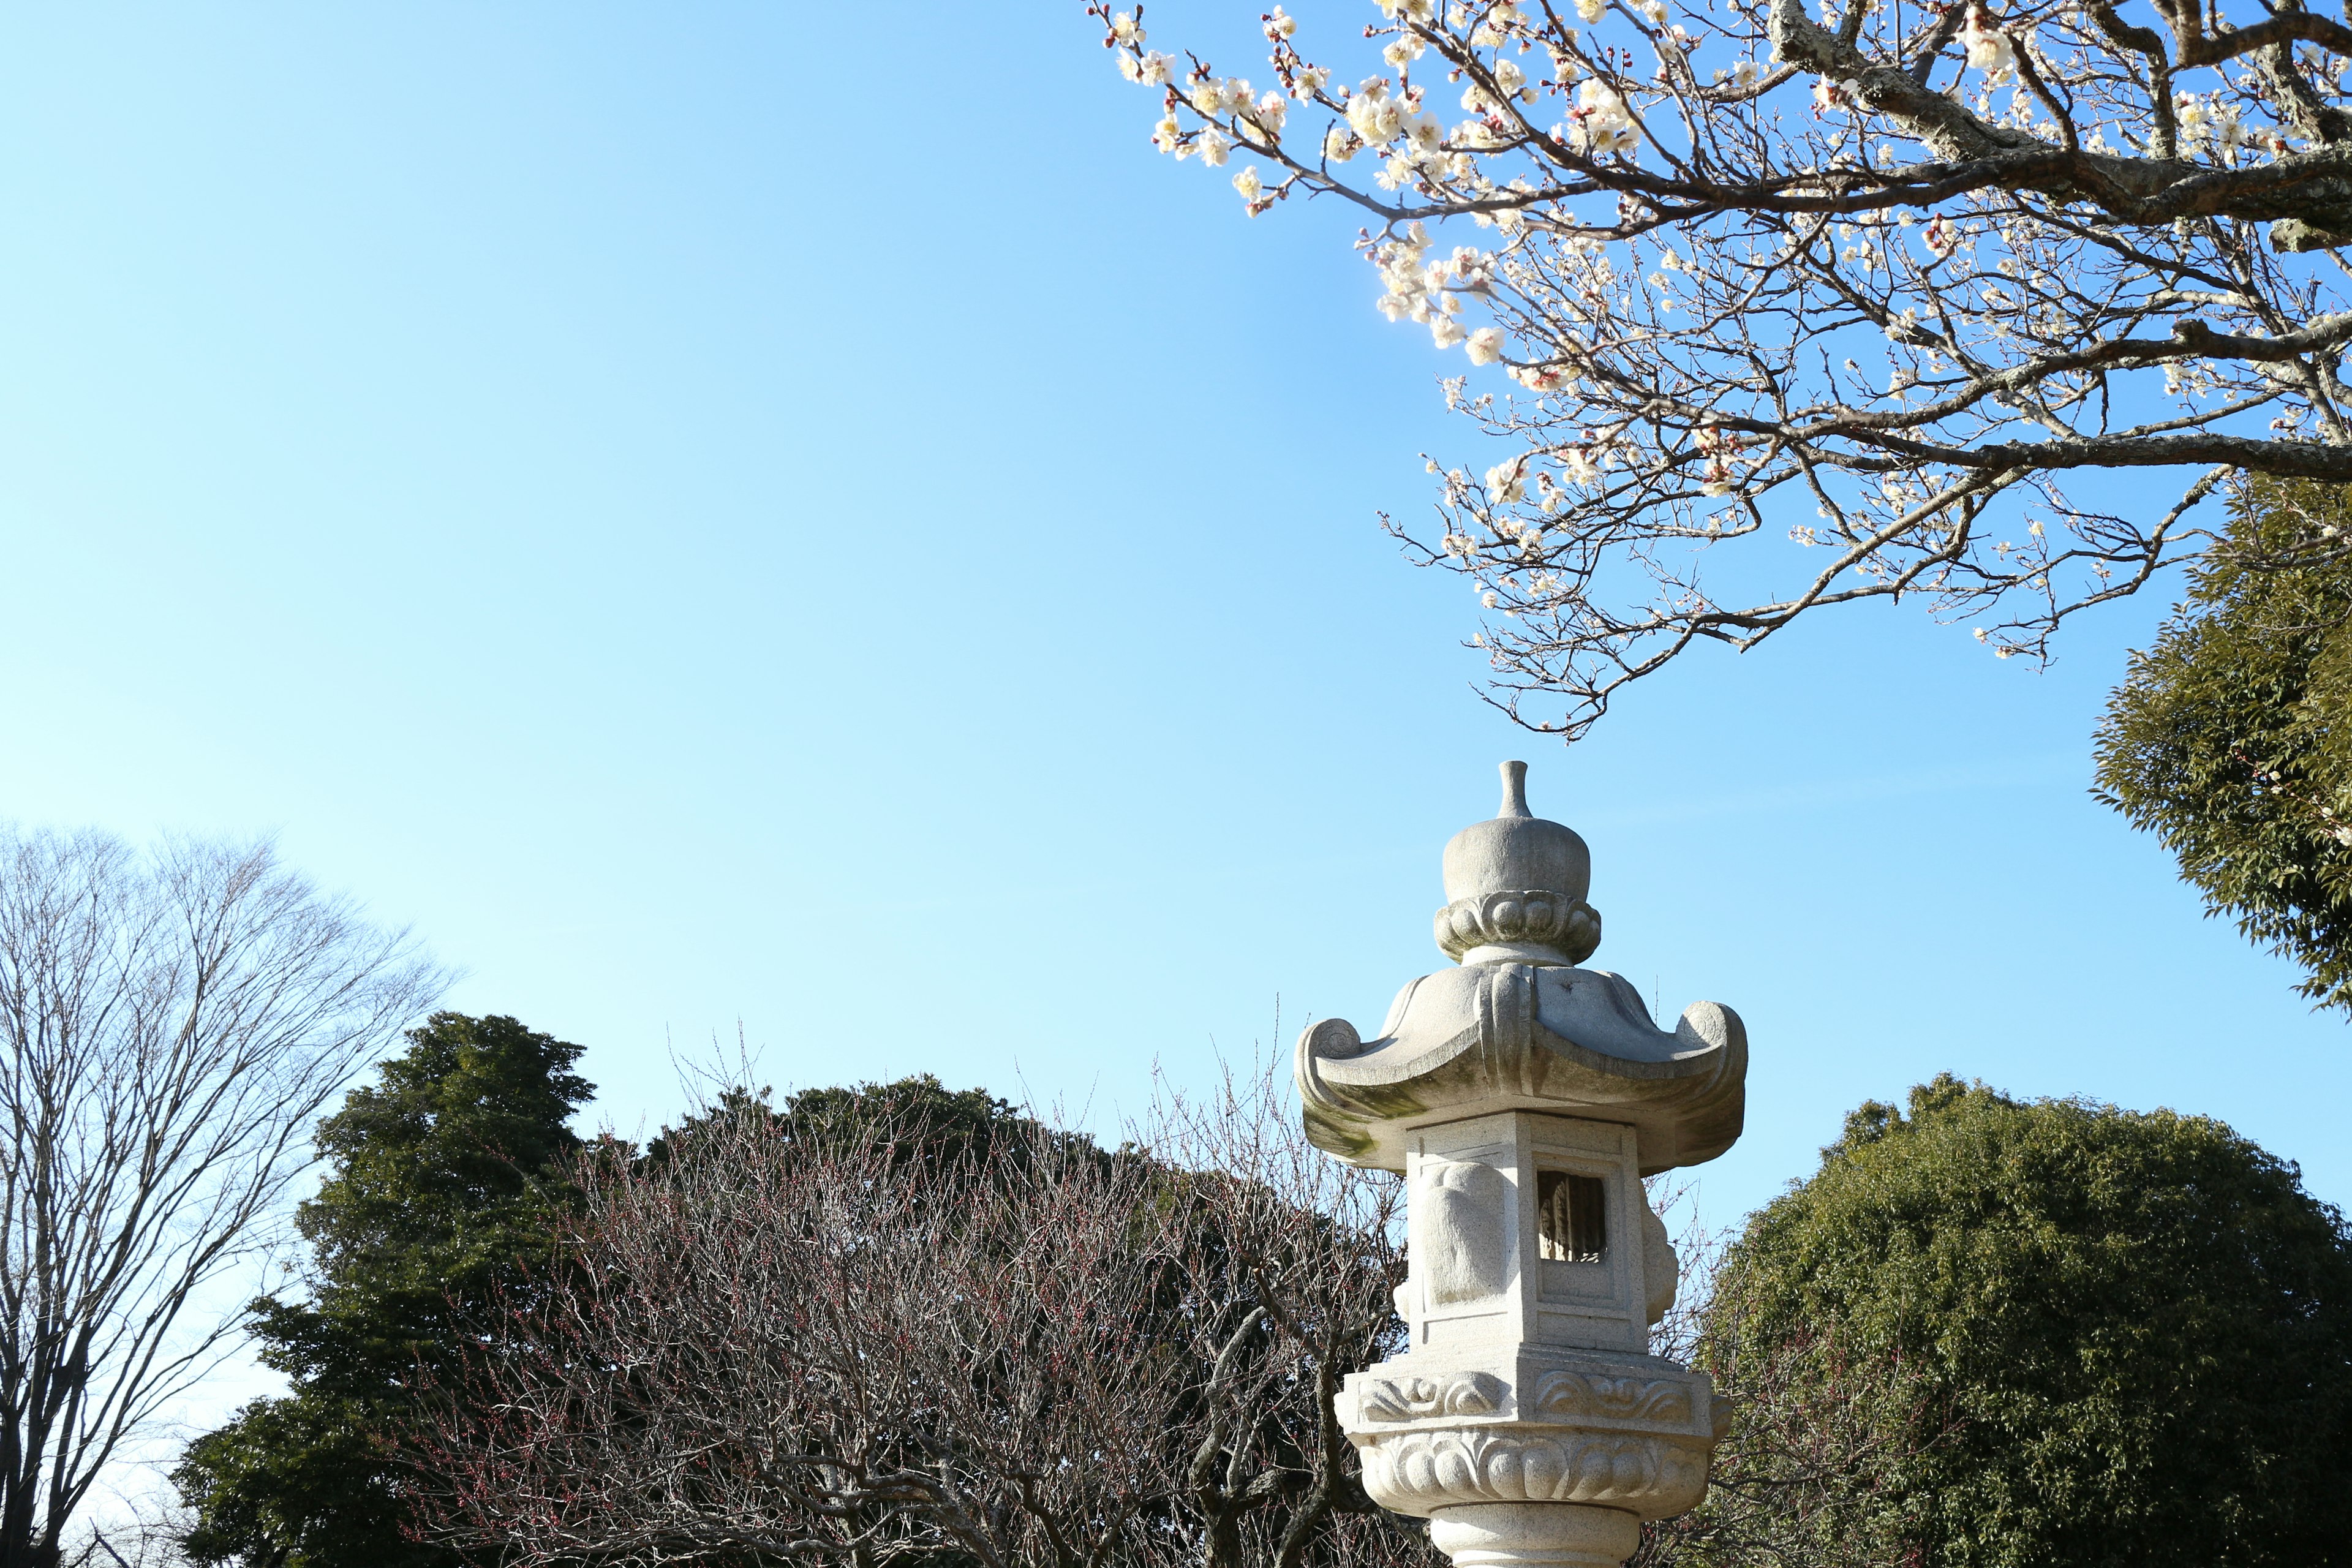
2232, 738
444, 1179
1990, 1334
920, 1120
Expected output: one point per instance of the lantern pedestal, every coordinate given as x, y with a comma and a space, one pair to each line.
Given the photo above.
1506, 1534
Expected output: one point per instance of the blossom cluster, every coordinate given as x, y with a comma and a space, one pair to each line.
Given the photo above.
1700, 264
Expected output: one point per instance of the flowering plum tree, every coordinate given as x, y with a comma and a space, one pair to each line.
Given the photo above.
1916, 265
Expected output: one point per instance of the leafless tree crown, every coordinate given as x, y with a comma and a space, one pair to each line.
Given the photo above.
172, 1026
1900, 270
765, 1348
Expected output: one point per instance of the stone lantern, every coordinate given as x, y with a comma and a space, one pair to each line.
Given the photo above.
1524, 1098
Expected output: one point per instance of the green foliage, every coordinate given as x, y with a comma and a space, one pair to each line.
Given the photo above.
2055, 1333
922, 1121
2232, 738
445, 1177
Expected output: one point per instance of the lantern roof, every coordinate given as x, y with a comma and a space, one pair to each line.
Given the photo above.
1518, 1025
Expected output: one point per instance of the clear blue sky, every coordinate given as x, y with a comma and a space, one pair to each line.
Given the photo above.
796, 515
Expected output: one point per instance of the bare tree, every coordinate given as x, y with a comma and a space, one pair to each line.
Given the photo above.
172, 1023
1896, 274
765, 1347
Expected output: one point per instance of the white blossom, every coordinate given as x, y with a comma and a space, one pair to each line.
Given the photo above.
1486, 345
1990, 50
1212, 147
1544, 377
1446, 332
1247, 183
1495, 31
1603, 123
1376, 121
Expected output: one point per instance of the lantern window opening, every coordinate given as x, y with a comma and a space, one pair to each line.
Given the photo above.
1573, 1217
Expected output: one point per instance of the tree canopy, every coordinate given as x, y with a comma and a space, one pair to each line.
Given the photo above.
446, 1177
169, 1025
895, 1323
1773, 306
2054, 1333
2231, 739
915, 1120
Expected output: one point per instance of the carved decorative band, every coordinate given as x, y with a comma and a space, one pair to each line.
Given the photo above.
1419, 1472
1411, 1399
1573, 1393
1555, 919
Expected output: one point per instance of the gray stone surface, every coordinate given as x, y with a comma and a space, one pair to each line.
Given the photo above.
1526, 1419
1517, 1024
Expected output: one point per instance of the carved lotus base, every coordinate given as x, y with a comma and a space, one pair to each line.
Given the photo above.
1647, 1475
1631, 1433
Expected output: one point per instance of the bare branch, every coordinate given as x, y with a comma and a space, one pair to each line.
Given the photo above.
168, 1030
1049, 1356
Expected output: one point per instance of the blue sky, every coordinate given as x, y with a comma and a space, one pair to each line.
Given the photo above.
753, 515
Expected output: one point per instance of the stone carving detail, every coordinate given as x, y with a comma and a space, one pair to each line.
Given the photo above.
1568, 1394
1660, 1267
1411, 1398
1532, 914
1459, 1238
1417, 1472
1333, 1038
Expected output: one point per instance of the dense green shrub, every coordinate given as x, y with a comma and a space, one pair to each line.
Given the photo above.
1990, 1334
